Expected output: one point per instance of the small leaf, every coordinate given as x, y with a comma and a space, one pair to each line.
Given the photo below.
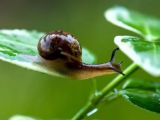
145, 94
146, 26
20, 47
87, 57
142, 85
143, 53
20, 117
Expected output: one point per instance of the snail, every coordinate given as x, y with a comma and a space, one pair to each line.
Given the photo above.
61, 51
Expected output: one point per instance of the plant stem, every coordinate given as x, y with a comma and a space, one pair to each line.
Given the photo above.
92, 103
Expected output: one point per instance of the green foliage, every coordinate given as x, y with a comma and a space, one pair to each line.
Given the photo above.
145, 94
144, 25
145, 54
20, 47
143, 51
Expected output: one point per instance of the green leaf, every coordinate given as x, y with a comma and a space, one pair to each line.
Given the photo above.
145, 94
20, 117
146, 26
87, 56
145, 54
20, 47
142, 85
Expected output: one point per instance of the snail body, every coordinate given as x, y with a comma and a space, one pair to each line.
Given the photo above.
61, 52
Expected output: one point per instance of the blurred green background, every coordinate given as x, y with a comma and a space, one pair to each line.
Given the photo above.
39, 95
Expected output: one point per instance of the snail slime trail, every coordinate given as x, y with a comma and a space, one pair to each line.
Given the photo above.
60, 51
